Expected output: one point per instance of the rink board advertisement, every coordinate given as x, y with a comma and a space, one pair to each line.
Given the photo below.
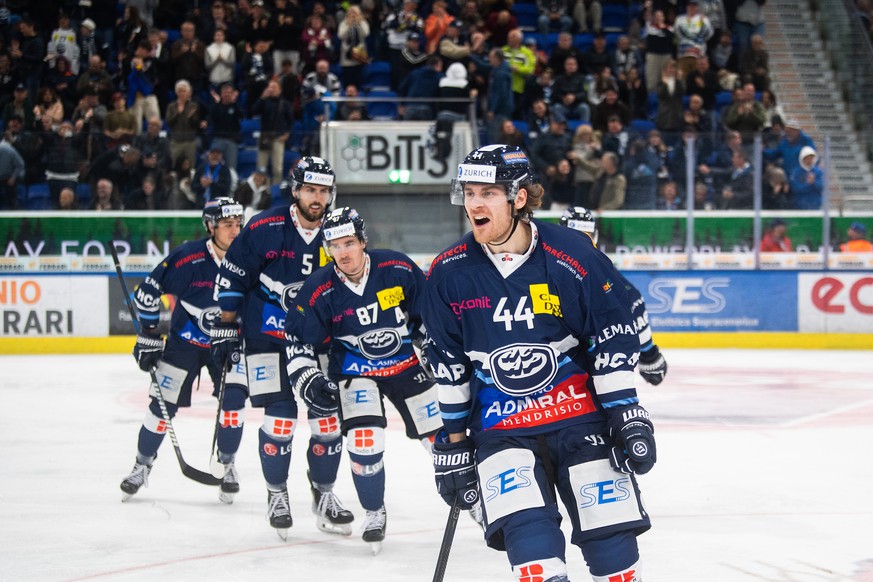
719, 301
53, 306
836, 302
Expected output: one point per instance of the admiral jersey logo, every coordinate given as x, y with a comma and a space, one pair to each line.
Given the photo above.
522, 369
381, 343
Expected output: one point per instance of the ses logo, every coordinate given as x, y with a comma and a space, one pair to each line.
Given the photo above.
381, 343
604, 492
687, 295
428, 411
508, 481
522, 369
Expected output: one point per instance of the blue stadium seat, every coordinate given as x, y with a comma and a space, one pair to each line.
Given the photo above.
641, 126
583, 41
291, 158
612, 40
526, 15
276, 198
723, 99
248, 127
83, 193
383, 110
172, 36
653, 105
39, 197
615, 18
377, 75
246, 163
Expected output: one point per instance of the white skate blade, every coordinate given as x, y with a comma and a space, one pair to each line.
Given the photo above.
342, 529
282, 533
216, 467
375, 547
226, 498
125, 496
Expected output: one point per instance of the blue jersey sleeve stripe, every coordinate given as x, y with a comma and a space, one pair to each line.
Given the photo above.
144, 315
229, 294
623, 402
455, 415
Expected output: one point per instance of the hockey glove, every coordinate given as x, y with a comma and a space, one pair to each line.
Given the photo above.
420, 348
634, 436
225, 347
148, 349
319, 393
653, 366
454, 466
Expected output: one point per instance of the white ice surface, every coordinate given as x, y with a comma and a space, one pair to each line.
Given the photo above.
764, 472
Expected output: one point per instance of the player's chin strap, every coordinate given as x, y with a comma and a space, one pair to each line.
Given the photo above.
515, 220
216, 245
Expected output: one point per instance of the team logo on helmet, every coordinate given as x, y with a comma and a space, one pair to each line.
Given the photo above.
289, 294
522, 369
208, 317
381, 343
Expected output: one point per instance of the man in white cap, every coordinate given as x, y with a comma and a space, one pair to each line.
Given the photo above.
788, 149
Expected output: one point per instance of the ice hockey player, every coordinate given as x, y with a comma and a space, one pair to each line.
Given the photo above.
188, 273
653, 366
366, 307
257, 283
534, 349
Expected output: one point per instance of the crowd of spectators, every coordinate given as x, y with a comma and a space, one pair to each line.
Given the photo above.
140, 104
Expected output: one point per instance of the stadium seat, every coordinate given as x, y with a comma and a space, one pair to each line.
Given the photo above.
83, 193
383, 110
377, 76
251, 130
615, 18
583, 42
641, 126
526, 15
276, 198
246, 163
172, 36
723, 99
39, 197
291, 158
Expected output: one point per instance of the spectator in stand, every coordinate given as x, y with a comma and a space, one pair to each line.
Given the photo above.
625, 58
352, 109
717, 167
511, 136
220, 60
28, 53
212, 178
746, 115
7, 80
608, 192
454, 85
183, 122
321, 82
693, 31
187, 56
160, 55
522, 62
155, 148
670, 91
105, 196
435, 25
277, 119
551, 147
569, 95
540, 56
120, 125
608, 108
254, 192
616, 139
776, 190
703, 197
659, 44
87, 121
562, 51
470, 17
668, 197
142, 82
316, 43
660, 154
634, 94
48, 109
12, 172
755, 64
714, 10
182, 196
700, 118
597, 57
29, 146
217, 19
121, 166
554, 16
537, 119
290, 19
397, 27
561, 190
67, 200
585, 11
537, 88
146, 9
739, 193
725, 61
500, 96
62, 159
771, 107
748, 20
87, 42
354, 31
640, 168
422, 83
598, 85
775, 238
857, 241
703, 81
225, 118
454, 46
807, 181
130, 31
63, 82
411, 57
148, 196
96, 78
257, 24
258, 69
289, 81
787, 151
585, 157
62, 42
498, 25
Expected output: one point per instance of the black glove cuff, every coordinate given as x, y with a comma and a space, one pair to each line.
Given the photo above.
221, 330
651, 355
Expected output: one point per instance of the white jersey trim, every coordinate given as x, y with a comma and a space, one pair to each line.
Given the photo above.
613, 382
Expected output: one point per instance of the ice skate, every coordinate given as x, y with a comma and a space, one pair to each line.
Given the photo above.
139, 477
229, 484
331, 516
374, 529
279, 512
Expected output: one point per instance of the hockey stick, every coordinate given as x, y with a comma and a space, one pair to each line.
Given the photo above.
215, 466
187, 470
448, 537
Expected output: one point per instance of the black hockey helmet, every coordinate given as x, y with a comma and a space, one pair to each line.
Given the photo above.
581, 219
493, 164
313, 170
343, 222
220, 208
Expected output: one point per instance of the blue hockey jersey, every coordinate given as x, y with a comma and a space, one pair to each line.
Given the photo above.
188, 273
262, 272
372, 330
638, 309
515, 352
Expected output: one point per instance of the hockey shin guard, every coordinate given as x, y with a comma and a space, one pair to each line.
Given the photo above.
325, 449
366, 447
275, 438
231, 422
